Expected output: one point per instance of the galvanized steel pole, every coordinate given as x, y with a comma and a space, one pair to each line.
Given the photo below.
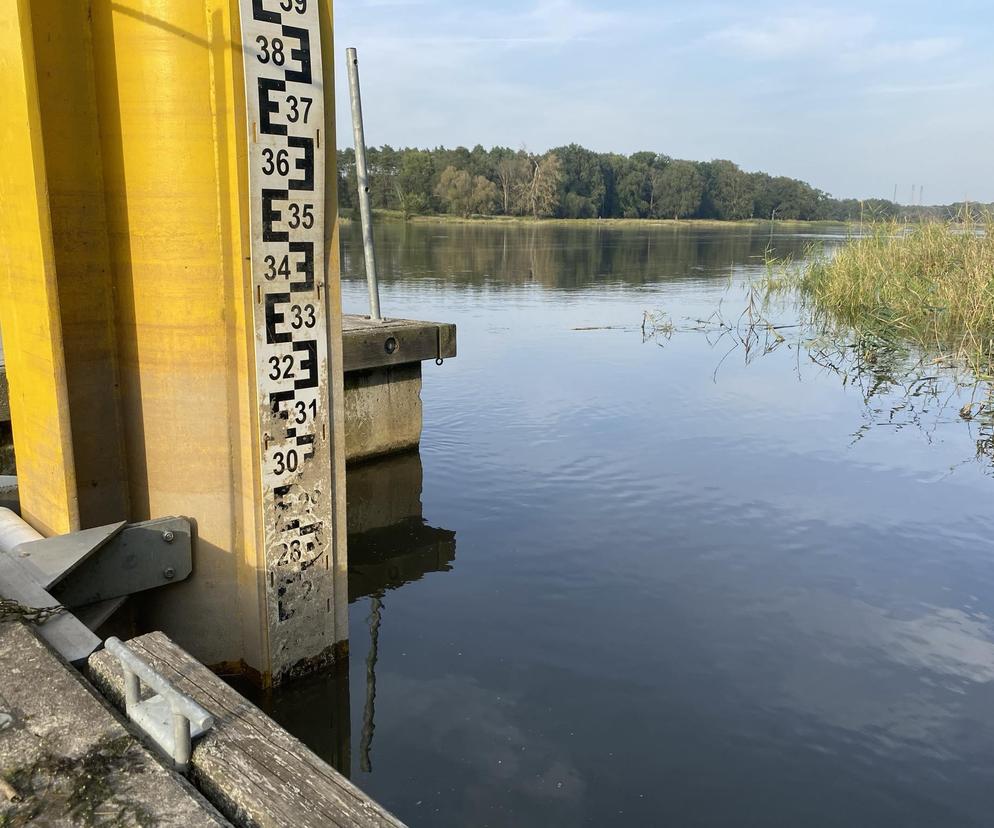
365, 212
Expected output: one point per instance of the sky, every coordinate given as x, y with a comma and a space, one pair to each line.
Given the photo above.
853, 97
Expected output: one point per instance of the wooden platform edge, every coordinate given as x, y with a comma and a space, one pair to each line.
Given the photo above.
249, 767
67, 757
367, 345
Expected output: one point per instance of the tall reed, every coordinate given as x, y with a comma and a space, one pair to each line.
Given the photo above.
929, 285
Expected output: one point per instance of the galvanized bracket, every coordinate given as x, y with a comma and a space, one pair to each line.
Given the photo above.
171, 718
112, 561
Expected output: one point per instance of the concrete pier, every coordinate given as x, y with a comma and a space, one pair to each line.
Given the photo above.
66, 759
383, 410
252, 770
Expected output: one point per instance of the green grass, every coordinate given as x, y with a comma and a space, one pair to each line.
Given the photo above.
396, 215
930, 286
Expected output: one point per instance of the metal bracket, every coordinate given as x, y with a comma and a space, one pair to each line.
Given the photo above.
111, 561
171, 718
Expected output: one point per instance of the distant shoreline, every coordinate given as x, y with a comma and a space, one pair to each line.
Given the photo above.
519, 221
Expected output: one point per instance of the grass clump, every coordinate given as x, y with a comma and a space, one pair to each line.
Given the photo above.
930, 286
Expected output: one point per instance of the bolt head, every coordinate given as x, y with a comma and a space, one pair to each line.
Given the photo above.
168, 573
168, 536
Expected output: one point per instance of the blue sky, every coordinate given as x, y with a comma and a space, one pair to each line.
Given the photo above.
854, 97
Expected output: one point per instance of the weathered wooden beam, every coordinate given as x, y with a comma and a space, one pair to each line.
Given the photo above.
255, 772
367, 344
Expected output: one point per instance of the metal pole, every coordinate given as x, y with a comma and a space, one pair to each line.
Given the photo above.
362, 175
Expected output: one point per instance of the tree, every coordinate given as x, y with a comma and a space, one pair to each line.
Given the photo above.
680, 190
512, 170
542, 189
485, 195
464, 194
575, 182
383, 165
584, 187
636, 183
347, 185
727, 191
413, 182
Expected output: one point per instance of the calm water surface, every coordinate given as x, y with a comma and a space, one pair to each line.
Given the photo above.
617, 588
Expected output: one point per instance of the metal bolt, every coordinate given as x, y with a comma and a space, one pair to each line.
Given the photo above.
168, 536
168, 573
390, 346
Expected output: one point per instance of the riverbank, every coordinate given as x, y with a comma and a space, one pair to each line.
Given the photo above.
519, 221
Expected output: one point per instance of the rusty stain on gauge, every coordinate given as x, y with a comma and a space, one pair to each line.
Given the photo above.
284, 110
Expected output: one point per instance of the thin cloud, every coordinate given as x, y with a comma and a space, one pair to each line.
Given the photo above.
791, 36
850, 41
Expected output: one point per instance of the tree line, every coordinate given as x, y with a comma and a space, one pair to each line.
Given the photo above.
574, 182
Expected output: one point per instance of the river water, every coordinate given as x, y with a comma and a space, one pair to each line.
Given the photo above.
649, 581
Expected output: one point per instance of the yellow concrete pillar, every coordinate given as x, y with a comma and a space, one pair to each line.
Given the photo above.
29, 302
141, 132
74, 169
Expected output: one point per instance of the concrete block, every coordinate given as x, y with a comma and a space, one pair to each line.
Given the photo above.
383, 411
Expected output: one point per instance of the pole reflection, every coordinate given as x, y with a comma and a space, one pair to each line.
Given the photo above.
390, 544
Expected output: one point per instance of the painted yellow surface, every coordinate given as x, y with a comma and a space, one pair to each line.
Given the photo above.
29, 302
173, 163
125, 293
74, 170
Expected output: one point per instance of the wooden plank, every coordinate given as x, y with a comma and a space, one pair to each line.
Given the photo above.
368, 344
255, 772
67, 756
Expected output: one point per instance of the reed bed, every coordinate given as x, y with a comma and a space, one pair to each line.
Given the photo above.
930, 286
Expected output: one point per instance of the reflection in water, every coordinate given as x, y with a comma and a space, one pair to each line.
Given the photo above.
390, 545
901, 387
566, 257
369, 712
678, 601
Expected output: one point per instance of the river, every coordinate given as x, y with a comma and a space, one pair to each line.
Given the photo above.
638, 580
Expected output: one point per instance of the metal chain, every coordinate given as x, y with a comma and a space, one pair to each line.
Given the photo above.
13, 611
